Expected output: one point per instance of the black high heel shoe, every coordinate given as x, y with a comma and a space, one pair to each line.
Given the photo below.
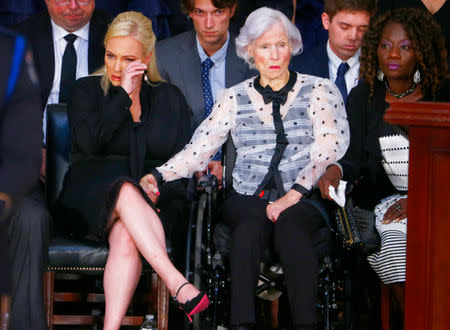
197, 304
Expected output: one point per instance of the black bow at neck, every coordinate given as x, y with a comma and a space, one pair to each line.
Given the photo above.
279, 96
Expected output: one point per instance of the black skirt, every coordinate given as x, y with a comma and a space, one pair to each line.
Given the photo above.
89, 196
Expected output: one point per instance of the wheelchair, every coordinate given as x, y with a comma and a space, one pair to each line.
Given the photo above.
208, 245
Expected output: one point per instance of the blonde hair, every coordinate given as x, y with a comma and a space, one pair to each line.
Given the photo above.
136, 25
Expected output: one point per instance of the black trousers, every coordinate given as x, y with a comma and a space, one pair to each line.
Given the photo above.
29, 237
291, 237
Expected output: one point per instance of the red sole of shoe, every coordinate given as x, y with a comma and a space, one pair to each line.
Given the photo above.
202, 305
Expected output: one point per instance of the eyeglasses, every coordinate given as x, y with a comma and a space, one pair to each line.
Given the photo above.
67, 2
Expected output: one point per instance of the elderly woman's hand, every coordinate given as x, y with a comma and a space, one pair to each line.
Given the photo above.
396, 211
150, 186
274, 210
331, 177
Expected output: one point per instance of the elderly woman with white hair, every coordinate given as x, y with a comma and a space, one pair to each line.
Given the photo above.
287, 128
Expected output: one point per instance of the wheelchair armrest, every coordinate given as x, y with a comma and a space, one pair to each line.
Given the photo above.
207, 183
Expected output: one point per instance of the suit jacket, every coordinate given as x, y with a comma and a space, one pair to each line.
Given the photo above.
314, 62
38, 29
179, 64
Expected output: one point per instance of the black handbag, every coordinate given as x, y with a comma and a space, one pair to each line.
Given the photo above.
356, 228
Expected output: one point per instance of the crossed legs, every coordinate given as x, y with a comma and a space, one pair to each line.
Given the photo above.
138, 231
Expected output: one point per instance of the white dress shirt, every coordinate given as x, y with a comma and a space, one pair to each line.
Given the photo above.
59, 44
352, 75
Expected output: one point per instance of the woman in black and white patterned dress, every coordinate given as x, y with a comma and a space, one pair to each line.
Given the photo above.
287, 128
403, 58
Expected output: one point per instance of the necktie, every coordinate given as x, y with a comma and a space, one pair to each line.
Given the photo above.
207, 95
340, 79
68, 69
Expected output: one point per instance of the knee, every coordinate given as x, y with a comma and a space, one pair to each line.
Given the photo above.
127, 191
303, 218
128, 195
121, 242
286, 227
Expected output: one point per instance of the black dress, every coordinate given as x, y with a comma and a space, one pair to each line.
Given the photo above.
362, 161
108, 148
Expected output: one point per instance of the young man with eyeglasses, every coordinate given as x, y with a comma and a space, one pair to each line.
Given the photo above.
29, 226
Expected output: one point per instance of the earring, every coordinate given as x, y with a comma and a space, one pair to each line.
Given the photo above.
380, 75
251, 60
145, 77
417, 77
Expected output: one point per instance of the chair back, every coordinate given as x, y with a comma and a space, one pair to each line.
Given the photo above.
58, 151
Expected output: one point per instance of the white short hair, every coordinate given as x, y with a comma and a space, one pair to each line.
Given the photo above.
257, 23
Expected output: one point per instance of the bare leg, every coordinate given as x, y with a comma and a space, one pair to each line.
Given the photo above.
123, 267
146, 233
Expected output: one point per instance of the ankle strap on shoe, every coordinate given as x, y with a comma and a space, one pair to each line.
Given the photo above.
178, 291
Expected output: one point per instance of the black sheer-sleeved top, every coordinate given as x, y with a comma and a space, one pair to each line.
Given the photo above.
107, 144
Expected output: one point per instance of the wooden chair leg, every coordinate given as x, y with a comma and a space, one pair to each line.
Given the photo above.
49, 297
273, 307
163, 305
385, 307
5, 304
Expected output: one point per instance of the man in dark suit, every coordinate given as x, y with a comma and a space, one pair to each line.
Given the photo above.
87, 23
338, 59
70, 27
181, 59
20, 140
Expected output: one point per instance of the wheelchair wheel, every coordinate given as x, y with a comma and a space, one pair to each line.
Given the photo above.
208, 272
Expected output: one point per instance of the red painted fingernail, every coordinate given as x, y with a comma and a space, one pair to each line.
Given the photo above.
157, 193
158, 210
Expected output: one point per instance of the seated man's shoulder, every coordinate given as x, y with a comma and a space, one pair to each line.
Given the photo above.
33, 23
100, 20
308, 60
363, 89
174, 42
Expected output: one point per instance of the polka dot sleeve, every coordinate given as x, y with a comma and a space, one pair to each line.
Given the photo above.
331, 132
206, 141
